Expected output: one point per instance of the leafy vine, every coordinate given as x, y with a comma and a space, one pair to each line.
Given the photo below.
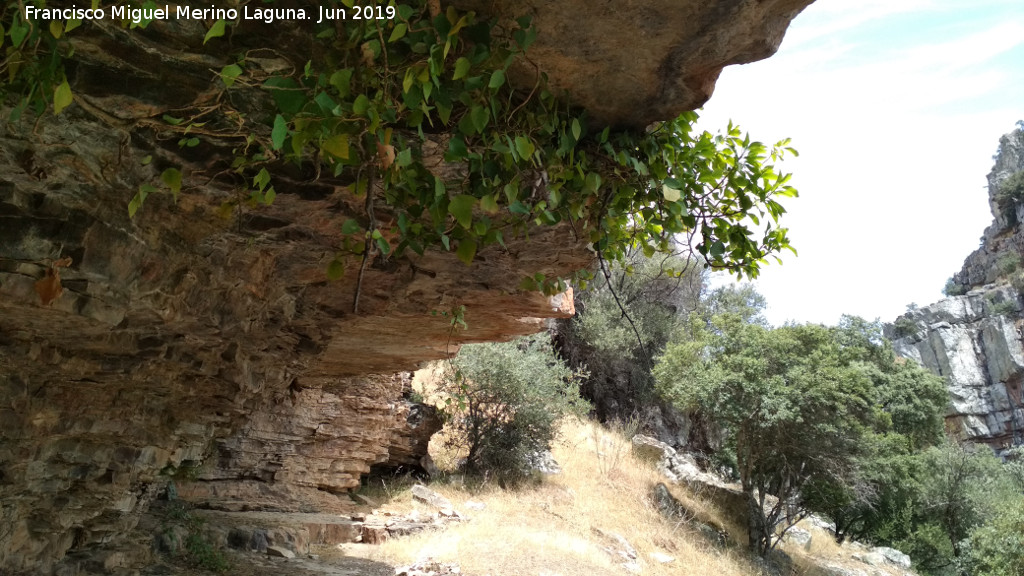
419, 113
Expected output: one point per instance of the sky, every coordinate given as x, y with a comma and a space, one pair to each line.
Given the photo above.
896, 109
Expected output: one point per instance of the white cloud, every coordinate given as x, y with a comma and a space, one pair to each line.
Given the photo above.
967, 51
832, 18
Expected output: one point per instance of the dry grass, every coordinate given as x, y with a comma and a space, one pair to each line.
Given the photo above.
825, 550
549, 528
563, 524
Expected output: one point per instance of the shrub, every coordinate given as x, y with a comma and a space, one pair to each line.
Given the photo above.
603, 339
1001, 307
197, 550
1014, 461
1013, 186
953, 289
904, 327
929, 547
1010, 191
962, 489
1004, 308
1007, 263
506, 401
997, 548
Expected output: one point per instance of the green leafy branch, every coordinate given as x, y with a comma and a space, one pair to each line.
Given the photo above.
418, 114
31, 66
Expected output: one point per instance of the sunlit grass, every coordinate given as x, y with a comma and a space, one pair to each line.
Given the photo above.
562, 523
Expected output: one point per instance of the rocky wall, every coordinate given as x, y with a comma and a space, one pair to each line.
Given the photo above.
974, 339
178, 337
1003, 240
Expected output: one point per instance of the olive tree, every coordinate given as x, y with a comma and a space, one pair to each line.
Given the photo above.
507, 400
791, 411
801, 408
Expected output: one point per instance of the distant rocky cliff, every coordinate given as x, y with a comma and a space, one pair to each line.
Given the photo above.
974, 337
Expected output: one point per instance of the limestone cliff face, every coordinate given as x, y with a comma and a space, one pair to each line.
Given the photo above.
975, 340
1002, 245
186, 346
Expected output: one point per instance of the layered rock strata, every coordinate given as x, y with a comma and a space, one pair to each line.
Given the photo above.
974, 342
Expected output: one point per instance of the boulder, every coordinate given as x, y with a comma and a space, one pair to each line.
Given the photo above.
543, 462
893, 556
835, 569
374, 534
651, 449
674, 510
798, 537
421, 493
620, 549
871, 558
279, 552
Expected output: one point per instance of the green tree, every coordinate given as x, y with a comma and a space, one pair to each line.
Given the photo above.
952, 288
997, 548
962, 488
1014, 461
909, 404
934, 501
823, 418
792, 410
872, 500
1011, 190
623, 320
507, 399
639, 305
741, 300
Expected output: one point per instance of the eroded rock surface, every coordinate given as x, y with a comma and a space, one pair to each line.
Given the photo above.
974, 340
1003, 240
632, 62
183, 341
977, 348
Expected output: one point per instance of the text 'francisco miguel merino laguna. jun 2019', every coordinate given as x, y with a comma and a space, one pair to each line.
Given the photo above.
148, 13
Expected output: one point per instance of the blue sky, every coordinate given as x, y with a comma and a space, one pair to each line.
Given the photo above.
896, 109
